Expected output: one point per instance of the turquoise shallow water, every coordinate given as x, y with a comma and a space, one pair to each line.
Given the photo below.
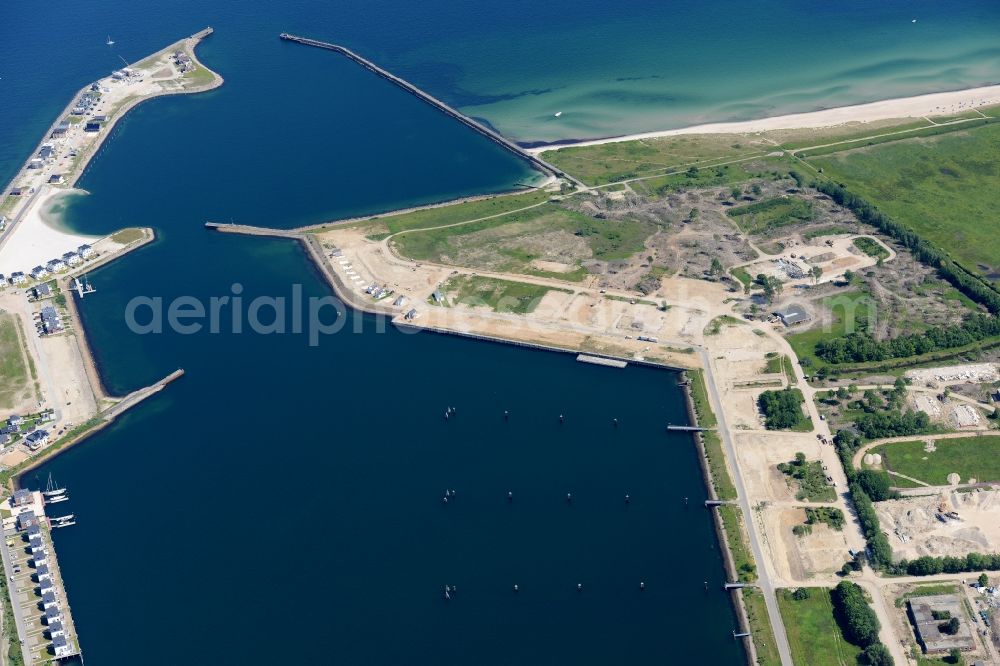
281, 503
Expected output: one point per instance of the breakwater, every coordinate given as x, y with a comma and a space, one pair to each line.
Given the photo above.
535, 161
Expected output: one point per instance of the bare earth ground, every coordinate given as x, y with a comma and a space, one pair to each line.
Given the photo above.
915, 526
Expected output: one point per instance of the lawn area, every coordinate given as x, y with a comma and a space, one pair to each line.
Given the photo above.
199, 76
808, 477
847, 311
13, 370
610, 162
942, 187
497, 295
814, 636
975, 457
760, 628
723, 483
453, 213
512, 241
762, 216
832, 230
741, 275
732, 521
927, 590
129, 235
870, 247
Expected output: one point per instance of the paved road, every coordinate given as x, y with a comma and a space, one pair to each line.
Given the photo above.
8, 572
763, 564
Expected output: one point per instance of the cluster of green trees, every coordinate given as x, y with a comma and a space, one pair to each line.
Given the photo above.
770, 286
968, 283
879, 550
781, 409
861, 347
859, 623
929, 565
892, 424
876, 485
830, 515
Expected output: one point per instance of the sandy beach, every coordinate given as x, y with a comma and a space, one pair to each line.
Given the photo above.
38, 239
934, 104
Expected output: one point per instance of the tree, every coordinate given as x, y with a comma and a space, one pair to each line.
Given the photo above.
984, 580
950, 627
817, 273
955, 656
877, 654
876, 484
716, 267
692, 172
856, 617
801, 594
755, 188
849, 276
736, 192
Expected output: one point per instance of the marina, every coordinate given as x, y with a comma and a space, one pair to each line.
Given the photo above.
42, 615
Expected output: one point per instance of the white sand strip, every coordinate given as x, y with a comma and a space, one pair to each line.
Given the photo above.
934, 104
35, 241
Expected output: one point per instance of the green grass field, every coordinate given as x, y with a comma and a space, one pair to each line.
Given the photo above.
870, 247
732, 520
609, 162
461, 212
760, 628
943, 187
840, 306
465, 244
497, 295
128, 235
814, 636
13, 371
976, 457
762, 216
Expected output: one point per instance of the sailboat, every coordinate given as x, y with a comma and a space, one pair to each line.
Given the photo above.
51, 490
110, 41
557, 114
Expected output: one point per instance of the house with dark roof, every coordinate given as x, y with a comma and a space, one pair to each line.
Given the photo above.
37, 439
792, 314
26, 520
22, 497
47, 587
61, 647
53, 614
56, 629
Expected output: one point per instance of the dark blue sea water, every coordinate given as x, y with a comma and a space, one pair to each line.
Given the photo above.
282, 503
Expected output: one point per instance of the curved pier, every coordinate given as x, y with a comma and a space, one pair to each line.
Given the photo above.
537, 162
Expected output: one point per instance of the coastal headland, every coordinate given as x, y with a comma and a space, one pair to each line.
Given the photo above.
30, 204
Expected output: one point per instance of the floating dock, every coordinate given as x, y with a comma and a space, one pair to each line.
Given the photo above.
34, 581
601, 360
493, 136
